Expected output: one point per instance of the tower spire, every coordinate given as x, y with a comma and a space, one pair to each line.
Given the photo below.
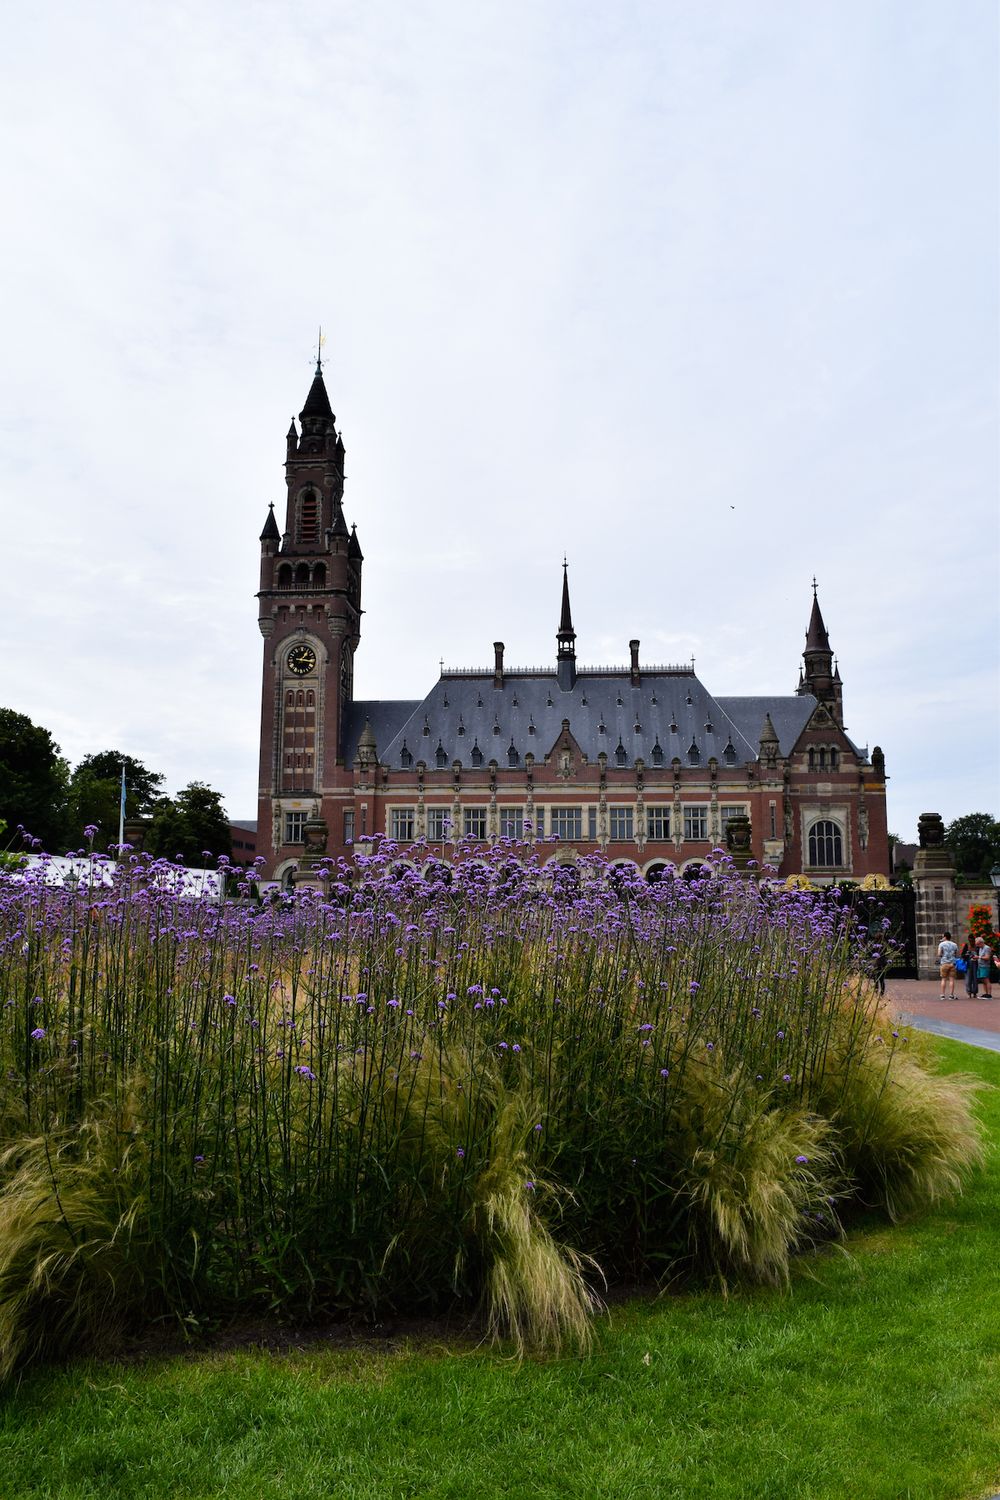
566, 638
818, 675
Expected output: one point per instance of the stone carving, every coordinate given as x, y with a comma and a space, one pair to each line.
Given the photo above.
930, 831
738, 834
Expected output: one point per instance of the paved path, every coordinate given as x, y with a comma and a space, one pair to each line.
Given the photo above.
963, 1020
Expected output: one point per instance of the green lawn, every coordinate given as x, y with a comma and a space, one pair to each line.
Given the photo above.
878, 1375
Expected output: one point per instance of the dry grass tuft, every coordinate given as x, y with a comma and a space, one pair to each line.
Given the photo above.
536, 1291
66, 1227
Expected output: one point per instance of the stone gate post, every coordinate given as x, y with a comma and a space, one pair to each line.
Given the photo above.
934, 879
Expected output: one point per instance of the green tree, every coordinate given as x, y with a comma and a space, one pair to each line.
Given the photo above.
193, 826
975, 842
95, 794
33, 780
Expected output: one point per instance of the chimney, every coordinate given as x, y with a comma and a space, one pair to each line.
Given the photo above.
633, 646
498, 664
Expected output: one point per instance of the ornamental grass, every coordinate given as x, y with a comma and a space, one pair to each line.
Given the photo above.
485, 1089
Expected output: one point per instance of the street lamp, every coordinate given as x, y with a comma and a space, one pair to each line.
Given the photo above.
995, 881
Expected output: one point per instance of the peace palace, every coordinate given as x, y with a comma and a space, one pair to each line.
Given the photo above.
642, 763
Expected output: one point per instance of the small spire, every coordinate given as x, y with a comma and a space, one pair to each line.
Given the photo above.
566, 617
270, 532
816, 636
768, 734
339, 527
354, 546
319, 351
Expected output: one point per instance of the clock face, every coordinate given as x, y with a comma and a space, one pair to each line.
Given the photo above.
301, 660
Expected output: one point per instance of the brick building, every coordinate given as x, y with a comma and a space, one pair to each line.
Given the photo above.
642, 762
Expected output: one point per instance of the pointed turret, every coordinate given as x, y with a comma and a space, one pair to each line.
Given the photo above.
818, 676
816, 636
317, 401
339, 527
270, 532
566, 639
354, 546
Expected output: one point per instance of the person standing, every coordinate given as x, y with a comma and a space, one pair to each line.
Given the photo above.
970, 949
984, 960
947, 954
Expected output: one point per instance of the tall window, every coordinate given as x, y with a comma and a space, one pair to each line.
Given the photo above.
438, 822
401, 824
295, 827
592, 824
826, 846
567, 822
349, 826
309, 517
696, 823
621, 820
474, 822
539, 821
658, 822
511, 822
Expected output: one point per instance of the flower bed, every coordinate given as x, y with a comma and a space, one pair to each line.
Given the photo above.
402, 1093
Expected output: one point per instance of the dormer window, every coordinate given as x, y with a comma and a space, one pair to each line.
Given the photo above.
729, 754
405, 756
477, 754
657, 754
620, 754
512, 756
440, 756
694, 755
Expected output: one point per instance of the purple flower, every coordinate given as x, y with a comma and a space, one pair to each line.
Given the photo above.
802, 1160
786, 1077
460, 1153
530, 1185
664, 1072
305, 1072
38, 1034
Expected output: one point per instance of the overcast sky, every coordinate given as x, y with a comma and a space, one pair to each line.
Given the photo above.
702, 293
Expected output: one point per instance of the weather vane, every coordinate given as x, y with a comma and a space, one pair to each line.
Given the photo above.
319, 348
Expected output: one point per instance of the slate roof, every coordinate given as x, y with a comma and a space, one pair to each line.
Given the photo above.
669, 709
789, 715
385, 716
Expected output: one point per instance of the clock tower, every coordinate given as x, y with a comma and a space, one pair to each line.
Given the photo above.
310, 618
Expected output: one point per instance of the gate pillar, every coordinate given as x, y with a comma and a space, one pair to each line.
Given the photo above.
934, 880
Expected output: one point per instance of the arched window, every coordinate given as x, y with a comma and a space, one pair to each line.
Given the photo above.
826, 846
834, 760
290, 700
812, 760
285, 576
319, 576
310, 699
308, 516
300, 699
302, 576
822, 758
